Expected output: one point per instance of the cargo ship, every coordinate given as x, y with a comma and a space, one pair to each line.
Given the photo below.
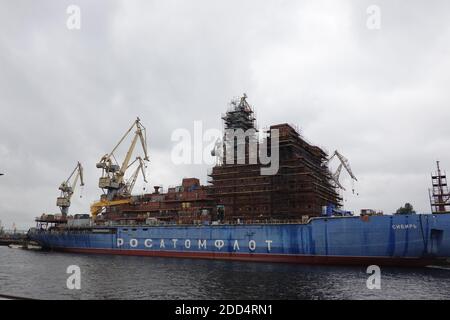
288, 209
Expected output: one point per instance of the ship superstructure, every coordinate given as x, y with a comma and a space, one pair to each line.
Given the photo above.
237, 191
301, 187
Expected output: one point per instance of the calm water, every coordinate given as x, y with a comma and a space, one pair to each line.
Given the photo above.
43, 275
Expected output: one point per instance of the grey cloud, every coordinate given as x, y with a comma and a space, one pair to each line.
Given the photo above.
380, 97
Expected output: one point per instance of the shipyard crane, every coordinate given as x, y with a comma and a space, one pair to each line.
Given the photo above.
344, 163
112, 179
67, 188
335, 176
132, 180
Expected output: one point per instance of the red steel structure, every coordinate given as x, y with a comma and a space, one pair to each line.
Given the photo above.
439, 194
237, 191
300, 189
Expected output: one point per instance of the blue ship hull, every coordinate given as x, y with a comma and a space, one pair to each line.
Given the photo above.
408, 240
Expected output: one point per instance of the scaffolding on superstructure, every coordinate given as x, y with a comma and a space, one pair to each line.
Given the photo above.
301, 187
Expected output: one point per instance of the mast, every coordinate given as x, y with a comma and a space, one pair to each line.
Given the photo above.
439, 194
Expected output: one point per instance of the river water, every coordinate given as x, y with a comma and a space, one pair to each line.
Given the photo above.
43, 275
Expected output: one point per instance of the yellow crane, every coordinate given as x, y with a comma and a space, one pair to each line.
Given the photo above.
67, 188
112, 181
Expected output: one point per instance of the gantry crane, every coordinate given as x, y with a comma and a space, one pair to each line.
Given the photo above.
112, 181
343, 163
67, 188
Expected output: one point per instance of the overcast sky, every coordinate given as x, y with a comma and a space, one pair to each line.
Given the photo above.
380, 96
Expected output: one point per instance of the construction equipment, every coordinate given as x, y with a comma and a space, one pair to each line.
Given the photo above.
132, 180
343, 163
112, 179
97, 207
335, 176
67, 188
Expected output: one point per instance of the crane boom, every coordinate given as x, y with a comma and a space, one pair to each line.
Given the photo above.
126, 161
139, 131
335, 177
98, 206
67, 189
112, 178
344, 163
113, 175
134, 176
123, 137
